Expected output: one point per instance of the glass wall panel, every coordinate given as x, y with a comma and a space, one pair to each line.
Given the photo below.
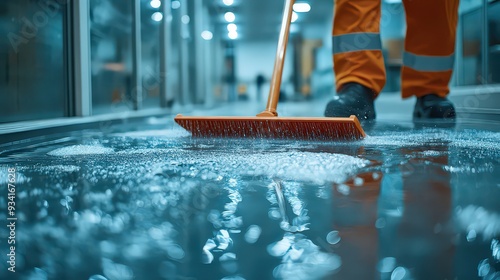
151, 18
111, 23
174, 73
32, 60
472, 25
494, 42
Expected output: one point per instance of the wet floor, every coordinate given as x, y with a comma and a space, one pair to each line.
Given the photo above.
405, 203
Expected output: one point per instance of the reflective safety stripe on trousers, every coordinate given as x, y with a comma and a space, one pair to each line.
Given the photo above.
428, 63
356, 42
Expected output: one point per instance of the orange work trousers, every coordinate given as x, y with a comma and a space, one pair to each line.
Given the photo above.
429, 45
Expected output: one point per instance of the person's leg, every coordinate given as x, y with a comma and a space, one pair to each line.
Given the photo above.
357, 57
357, 54
429, 52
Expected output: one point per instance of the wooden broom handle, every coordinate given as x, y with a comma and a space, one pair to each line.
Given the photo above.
274, 91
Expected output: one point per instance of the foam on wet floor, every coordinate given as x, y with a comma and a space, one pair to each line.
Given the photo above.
293, 165
77, 150
162, 133
460, 139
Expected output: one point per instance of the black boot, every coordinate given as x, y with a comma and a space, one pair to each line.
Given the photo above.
352, 99
432, 106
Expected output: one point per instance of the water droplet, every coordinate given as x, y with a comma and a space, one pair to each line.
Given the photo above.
253, 234
333, 237
343, 189
116, 271
380, 223
134, 251
471, 235
483, 268
399, 273
175, 252
155, 233
42, 214
495, 249
274, 214
358, 181
386, 265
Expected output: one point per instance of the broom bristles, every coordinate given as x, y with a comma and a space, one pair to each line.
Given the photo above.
318, 129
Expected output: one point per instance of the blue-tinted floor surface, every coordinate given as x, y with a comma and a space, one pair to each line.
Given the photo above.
147, 201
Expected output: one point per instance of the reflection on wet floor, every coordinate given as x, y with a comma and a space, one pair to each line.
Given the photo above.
404, 203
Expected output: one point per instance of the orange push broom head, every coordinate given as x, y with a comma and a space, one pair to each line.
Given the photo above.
317, 129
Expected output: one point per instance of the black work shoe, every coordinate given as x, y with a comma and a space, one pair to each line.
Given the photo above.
432, 106
352, 99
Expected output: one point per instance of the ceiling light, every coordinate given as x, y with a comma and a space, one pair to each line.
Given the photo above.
155, 3
232, 35
301, 7
228, 2
207, 35
185, 19
176, 5
232, 27
229, 17
157, 16
295, 16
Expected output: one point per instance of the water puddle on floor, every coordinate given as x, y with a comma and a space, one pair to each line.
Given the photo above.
401, 204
